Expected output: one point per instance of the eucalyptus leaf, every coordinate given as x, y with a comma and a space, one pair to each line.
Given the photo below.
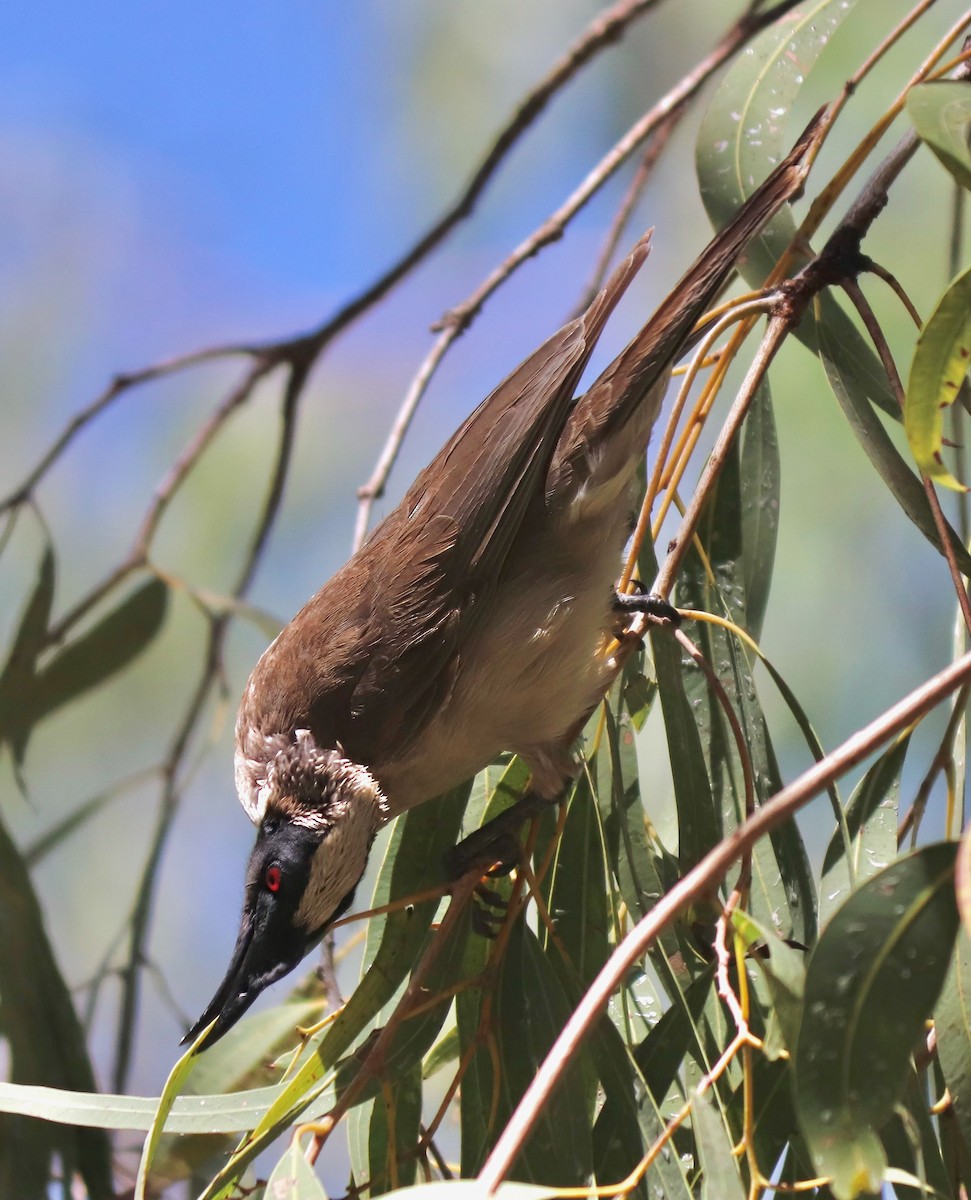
952, 1023
45, 1043
892, 937
941, 114
871, 824
938, 370
293, 1178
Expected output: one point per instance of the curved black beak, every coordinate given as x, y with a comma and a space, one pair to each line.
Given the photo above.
258, 960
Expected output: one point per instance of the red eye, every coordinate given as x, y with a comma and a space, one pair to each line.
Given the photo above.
273, 878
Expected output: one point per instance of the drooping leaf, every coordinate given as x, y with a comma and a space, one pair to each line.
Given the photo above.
759, 485
904, 485
577, 894
17, 678
103, 650
782, 884
941, 114
293, 1178
937, 371
46, 1045
892, 937
952, 1023
871, 824
173, 1086
743, 134
383, 1133
720, 1179
95, 1110
531, 1009
699, 827
784, 969
31, 691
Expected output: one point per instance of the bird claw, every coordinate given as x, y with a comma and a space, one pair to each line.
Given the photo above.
495, 857
484, 922
652, 604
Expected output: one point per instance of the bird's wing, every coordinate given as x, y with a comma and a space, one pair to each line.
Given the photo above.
493, 466
432, 562
621, 391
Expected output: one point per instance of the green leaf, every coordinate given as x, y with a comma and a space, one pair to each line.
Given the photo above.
615, 771
629, 1122
869, 431
445, 1051
760, 484
94, 1110
912, 1146
699, 827
952, 1021
45, 1042
782, 884
743, 134
293, 1178
104, 650
941, 114
382, 1162
173, 1086
577, 895
939, 367
530, 1009
720, 1177
784, 970
240, 1058
17, 679
871, 823
892, 937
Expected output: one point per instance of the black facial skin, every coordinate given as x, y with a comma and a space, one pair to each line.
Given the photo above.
269, 944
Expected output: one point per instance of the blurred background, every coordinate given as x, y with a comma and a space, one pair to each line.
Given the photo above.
175, 175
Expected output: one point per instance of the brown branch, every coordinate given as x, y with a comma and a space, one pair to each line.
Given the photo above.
697, 883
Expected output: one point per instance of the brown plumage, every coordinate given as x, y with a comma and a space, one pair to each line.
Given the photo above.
472, 620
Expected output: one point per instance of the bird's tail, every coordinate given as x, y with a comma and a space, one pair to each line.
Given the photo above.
634, 382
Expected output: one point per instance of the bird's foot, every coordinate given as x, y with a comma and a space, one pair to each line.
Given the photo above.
489, 912
651, 603
494, 854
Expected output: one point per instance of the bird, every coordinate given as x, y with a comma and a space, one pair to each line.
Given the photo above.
472, 621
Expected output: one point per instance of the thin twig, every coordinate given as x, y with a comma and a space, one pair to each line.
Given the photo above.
697, 883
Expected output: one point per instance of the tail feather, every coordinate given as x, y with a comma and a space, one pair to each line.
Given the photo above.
635, 381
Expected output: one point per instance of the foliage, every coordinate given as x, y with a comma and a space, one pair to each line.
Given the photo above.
671, 1007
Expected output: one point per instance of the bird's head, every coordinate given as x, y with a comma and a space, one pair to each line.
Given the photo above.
318, 814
